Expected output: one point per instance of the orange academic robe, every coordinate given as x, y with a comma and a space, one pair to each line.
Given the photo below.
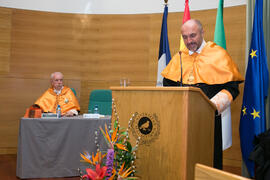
212, 66
67, 100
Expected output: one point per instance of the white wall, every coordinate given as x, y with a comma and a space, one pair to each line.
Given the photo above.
114, 6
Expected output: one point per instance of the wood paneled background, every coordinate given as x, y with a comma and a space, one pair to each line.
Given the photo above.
93, 52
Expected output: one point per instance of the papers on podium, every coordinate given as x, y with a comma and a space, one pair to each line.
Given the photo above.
92, 116
48, 115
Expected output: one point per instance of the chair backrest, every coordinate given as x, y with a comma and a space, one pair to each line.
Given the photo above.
73, 90
102, 98
203, 172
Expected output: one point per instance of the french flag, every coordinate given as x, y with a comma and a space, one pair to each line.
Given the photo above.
164, 49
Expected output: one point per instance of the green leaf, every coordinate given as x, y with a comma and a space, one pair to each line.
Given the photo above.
129, 147
115, 124
124, 133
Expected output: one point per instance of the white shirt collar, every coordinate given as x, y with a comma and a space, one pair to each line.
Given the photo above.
58, 92
198, 50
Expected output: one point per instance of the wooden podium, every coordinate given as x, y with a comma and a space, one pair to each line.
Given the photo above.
175, 126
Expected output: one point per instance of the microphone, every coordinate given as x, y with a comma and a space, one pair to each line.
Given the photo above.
181, 80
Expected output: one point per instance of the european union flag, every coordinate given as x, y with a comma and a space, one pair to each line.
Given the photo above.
252, 120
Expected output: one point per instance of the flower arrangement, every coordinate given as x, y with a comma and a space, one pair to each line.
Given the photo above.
120, 155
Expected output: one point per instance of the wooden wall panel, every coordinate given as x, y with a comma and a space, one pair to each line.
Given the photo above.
94, 52
49, 42
43, 43
5, 36
121, 45
16, 95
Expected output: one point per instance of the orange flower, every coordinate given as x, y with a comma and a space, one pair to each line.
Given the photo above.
113, 138
121, 146
123, 173
112, 177
94, 160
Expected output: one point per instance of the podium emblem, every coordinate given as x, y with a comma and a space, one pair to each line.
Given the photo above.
146, 126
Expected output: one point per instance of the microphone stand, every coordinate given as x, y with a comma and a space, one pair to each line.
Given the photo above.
181, 80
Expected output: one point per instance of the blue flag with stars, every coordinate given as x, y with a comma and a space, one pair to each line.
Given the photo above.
252, 120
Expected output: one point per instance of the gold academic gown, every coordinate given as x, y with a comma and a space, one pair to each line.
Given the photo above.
67, 101
212, 66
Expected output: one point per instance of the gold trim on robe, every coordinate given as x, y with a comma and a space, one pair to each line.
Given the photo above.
212, 66
67, 101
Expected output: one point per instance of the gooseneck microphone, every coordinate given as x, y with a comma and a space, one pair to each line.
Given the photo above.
181, 80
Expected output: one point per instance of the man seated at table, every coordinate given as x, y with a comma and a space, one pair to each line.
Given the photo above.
58, 94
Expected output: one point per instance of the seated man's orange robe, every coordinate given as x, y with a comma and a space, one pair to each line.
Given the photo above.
66, 99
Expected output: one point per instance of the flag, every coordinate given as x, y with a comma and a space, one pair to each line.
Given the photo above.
164, 49
253, 120
219, 39
185, 18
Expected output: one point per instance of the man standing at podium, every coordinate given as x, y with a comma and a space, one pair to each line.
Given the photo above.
58, 94
209, 67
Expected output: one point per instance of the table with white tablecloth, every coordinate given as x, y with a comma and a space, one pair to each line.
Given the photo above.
51, 147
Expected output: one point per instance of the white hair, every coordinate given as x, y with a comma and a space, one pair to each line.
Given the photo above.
53, 74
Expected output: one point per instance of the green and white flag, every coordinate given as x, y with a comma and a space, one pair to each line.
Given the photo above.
220, 40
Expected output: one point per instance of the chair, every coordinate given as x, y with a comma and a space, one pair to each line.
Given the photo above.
73, 90
102, 98
203, 172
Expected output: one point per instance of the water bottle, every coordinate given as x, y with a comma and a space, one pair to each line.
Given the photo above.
58, 111
96, 109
